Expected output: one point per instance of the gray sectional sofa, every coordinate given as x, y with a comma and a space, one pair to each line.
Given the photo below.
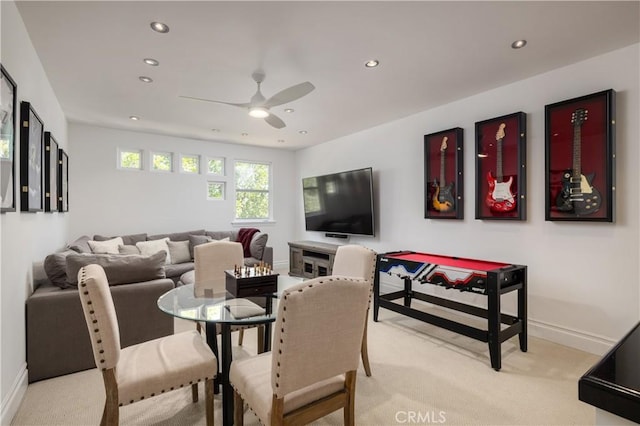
57, 337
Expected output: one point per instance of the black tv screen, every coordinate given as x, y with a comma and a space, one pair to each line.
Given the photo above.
340, 203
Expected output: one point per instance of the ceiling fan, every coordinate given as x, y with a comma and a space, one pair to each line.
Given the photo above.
259, 106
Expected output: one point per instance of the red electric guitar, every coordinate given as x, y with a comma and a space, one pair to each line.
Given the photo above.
500, 199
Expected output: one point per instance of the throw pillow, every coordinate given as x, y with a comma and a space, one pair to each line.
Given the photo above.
196, 240
55, 266
80, 245
148, 248
128, 249
119, 269
179, 251
258, 243
105, 247
127, 240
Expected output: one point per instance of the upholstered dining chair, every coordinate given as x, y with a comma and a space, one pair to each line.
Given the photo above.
360, 262
210, 262
311, 370
146, 369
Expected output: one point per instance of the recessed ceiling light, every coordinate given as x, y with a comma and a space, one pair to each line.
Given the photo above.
151, 61
303, 132
160, 27
245, 134
215, 130
145, 79
519, 44
281, 140
372, 63
289, 110
134, 118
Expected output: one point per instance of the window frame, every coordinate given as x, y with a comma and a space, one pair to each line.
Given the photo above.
268, 191
198, 161
151, 158
130, 150
224, 166
224, 190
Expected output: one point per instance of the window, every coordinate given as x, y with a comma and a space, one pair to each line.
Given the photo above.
190, 164
215, 166
162, 161
130, 159
215, 190
252, 182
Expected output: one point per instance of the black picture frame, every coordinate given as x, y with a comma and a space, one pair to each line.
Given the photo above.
31, 159
51, 173
8, 102
443, 174
580, 158
501, 184
63, 181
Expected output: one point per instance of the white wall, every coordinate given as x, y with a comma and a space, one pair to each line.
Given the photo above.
583, 277
26, 237
108, 201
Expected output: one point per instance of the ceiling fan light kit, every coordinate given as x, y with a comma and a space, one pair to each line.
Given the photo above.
259, 107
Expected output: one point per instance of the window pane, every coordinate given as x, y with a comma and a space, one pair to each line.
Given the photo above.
162, 161
252, 176
215, 190
215, 166
190, 163
131, 159
252, 205
4, 148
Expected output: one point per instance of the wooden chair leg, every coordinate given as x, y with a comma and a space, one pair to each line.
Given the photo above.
208, 398
110, 414
240, 336
238, 409
194, 392
349, 408
277, 411
260, 332
364, 353
198, 327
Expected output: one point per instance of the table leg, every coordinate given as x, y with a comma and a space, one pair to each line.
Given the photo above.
522, 312
227, 390
493, 316
212, 340
407, 292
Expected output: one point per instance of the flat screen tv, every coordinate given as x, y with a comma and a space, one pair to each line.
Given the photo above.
340, 203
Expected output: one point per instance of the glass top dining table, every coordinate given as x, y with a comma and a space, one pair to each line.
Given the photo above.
220, 312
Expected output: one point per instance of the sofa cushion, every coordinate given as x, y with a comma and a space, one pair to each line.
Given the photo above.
176, 236
257, 245
148, 248
55, 266
108, 246
129, 240
177, 269
127, 249
179, 251
251, 261
196, 240
80, 245
118, 268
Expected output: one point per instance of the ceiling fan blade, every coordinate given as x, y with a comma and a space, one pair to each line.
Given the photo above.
290, 94
275, 121
245, 105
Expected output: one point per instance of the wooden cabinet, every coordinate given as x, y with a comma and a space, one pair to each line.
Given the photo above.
310, 259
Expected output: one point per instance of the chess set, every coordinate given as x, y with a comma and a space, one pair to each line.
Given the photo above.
257, 270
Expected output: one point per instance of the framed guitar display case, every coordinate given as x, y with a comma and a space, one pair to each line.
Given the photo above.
500, 167
443, 177
580, 158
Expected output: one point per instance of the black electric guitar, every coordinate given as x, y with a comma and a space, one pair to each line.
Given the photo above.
578, 196
443, 200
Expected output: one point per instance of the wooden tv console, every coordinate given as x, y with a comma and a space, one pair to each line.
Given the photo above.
310, 259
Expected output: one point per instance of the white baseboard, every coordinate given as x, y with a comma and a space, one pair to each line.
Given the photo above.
576, 339
12, 401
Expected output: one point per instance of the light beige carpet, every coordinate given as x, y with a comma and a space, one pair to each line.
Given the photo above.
421, 375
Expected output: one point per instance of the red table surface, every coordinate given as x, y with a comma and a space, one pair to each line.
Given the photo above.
458, 262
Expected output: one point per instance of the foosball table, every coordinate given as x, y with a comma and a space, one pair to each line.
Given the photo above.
492, 279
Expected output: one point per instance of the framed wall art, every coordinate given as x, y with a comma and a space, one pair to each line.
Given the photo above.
63, 181
50, 173
500, 167
443, 176
8, 90
580, 154
31, 148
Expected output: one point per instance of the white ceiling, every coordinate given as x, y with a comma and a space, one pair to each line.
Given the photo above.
430, 53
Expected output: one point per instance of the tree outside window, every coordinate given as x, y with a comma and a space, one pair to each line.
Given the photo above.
190, 164
215, 166
131, 159
161, 161
215, 190
252, 182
